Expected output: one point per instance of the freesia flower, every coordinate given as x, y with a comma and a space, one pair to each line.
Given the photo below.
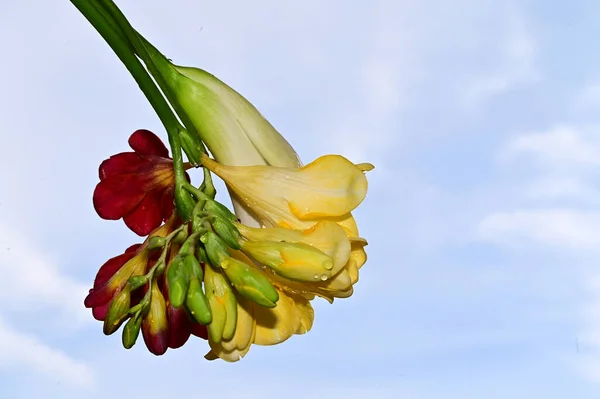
296, 222
137, 186
308, 241
250, 280
164, 326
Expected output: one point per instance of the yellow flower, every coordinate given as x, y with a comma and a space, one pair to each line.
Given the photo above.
308, 246
295, 222
329, 187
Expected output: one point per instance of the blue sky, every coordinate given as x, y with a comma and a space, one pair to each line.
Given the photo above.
483, 214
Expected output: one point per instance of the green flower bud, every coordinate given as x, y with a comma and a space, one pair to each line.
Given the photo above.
131, 331
201, 254
156, 242
216, 249
192, 268
197, 303
296, 261
188, 245
251, 283
178, 281
219, 210
228, 232
117, 311
181, 236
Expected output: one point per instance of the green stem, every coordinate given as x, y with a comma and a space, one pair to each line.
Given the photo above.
160, 70
116, 39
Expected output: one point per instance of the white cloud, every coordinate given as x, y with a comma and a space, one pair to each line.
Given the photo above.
516, 64
561, 146
31, 280
562, 187
588, 96
588, 359
557, 227
24, 351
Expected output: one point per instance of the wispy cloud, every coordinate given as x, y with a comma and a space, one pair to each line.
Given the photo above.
516, 64
27, 353
557, 227
31, 280
559, 147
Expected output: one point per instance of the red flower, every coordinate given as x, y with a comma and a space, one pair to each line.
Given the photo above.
137, 186
164, 326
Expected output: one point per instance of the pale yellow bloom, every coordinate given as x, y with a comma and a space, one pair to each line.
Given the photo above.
296, 222
329, 187
308, 241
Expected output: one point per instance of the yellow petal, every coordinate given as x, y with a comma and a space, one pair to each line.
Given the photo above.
326, 236
292, 315
330, 186
236, 348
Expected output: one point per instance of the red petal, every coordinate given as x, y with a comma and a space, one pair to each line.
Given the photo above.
133, 248
99, 312
117, 196
156, 343
179, 326
145, 217
125, 162
100, 296
167, 204
145, 142
199, 330
110, 267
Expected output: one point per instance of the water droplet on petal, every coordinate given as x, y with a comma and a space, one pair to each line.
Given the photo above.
324, 277
316, 276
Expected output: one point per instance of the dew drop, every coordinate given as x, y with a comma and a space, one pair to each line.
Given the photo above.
316, 276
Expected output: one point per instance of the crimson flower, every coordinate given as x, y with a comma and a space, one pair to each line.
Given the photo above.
137, 186
164, 326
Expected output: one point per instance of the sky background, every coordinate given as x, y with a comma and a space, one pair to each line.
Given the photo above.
483, 215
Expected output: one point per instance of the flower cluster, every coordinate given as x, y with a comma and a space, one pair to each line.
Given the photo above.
233, 278
216, 277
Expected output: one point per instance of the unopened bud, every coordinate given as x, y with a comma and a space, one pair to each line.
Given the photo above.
117, 311
216, 249
155, 327
227, 231
219, 210
177, 281
197, 303
131, 331
201, 254
181, 236
156, 242
296, 261
251, 283
192, 267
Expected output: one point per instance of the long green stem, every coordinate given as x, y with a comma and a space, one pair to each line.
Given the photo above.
123, 49
160, 71
114, 37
